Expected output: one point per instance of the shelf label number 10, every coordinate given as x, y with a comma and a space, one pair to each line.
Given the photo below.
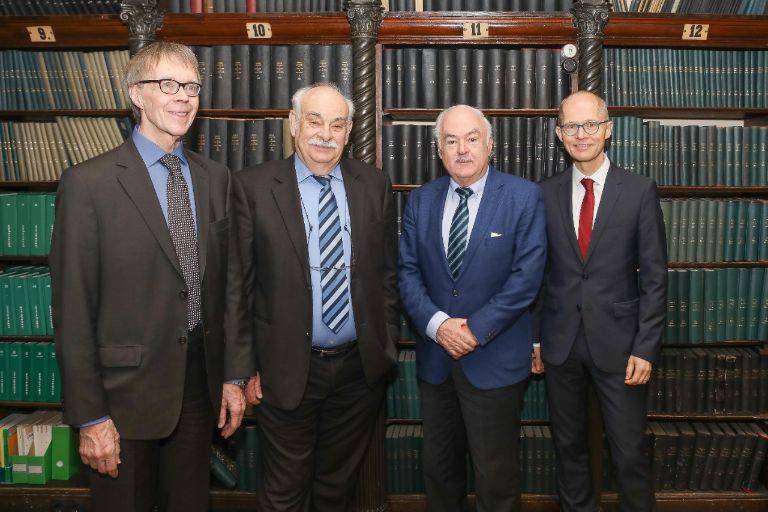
41, 34
695, 31
475, 30
258, 30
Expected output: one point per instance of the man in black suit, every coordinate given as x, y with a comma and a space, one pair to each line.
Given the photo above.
151, 325
319, 249
601, 311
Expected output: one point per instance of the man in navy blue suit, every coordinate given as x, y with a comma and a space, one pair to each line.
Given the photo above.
472, 255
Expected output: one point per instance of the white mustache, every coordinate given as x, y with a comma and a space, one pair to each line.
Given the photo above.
317, 141
463, 160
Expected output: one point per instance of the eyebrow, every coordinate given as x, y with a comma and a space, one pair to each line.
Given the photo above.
470, 132
340, 118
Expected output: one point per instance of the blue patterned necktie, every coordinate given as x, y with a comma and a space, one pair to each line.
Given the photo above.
182, 228
457, 236
333, 276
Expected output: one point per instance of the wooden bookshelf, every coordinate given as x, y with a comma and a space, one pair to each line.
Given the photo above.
71, 32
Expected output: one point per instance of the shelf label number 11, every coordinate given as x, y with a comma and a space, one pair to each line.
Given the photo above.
695, 31
258, 30
41, 34
475, 30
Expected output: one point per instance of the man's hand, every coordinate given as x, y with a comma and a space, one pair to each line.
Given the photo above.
232, 409
253, 390
638, 371
100, 447
537, 364
456, 338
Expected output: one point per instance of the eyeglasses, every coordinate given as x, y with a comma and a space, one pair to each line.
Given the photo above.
171, 86
590, 127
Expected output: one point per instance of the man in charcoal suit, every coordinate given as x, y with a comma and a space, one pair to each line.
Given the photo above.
472, 254
601, 312
151, 326
319, 245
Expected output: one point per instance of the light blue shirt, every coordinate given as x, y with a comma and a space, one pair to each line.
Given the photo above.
309, 195
451, 203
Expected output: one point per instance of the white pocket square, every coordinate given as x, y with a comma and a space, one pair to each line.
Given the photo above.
494, 234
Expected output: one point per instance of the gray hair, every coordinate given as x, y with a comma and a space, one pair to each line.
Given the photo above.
602, 107
299, 95
145, 61
439, 123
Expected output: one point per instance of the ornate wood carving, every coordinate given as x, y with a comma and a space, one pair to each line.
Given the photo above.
143, 20
589, 18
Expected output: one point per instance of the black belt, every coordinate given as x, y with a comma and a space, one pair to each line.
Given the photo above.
334, 351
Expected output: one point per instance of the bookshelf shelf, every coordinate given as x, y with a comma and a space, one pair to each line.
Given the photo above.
102, 31
430, 114
22, 260
721, 416
689, 112
717, 264
37, 115
30, 339
230, 28
13, 404
261, 113
29, 185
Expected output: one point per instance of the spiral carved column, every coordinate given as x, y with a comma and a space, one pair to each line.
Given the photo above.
143, 19
364, 18
589, 18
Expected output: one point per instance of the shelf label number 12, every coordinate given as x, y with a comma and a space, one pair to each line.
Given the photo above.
695, 31
258, 30
41, 34
475, 30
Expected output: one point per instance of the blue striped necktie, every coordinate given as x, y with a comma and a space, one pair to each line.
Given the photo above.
333, 276
457, 236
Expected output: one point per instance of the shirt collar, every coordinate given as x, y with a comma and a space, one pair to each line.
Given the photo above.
303, 172
151, 152
477, 187
598, 177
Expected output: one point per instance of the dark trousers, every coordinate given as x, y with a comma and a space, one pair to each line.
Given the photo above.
457, 415
312, 454
624, 411
174, 472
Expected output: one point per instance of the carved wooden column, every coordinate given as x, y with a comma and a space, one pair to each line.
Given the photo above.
589, 18
143, 19
365, 19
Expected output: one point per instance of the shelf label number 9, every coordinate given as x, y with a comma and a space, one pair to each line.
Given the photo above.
695, 31
42, 34
475, 30
258, 30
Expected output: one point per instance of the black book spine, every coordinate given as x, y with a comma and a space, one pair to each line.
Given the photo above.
405, 174
496, 73
429, 88
218, 148
418, 154
412, 71
241, 76
700, 452
254, 142
434, 164
273, 135
388, 82
344, 69
202, 139
236, 144
389, 163
222, 76
446, 69
543, 78
261, 67
301, 66
526, 78
479, 78
205, 68
280, 81
463, 75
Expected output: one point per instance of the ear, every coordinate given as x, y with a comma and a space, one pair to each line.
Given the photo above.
293, 121
349, 132
136, 98
559, 133
490, 146
608, 130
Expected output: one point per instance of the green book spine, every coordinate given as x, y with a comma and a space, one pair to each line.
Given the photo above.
37, 231
53, 376
25, 349
666, 211
763, 249
732, 291
710, 305
693, 229
682, 251
695, 306
22, 219
756, 277
20, 298
39, 370
673, 239
720, 231
720, 158
673, 314
752, 239
65, 460
45, 291
3, 372
722, 304
9, 216
728, 173
742, 304
683, 291
738, 135
710, 231
36, 312
762, 329
731, 222
50, 216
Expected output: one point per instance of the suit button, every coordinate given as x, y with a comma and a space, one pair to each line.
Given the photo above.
183, 340
585, 276
182, 294
455, 293
578, 307
307, 335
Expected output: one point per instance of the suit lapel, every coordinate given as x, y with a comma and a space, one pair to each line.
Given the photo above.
488, 207
436, 205
611, 194
285, 190
356, 204
202, 192
565, 203
135, 181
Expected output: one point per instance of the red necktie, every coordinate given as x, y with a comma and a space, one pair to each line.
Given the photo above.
585, 216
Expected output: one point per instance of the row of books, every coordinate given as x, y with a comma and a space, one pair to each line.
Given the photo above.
404, 398
26, 223
481, 5
25, 302
707, 456
240, 143
692, 6
28, 372
685, 77
40, 151
524, 146
247, 6
709, 381
403, 444
37, 447
713, 305
716, 229
266, 76
63, 80
481, 77
58, 7
691, 154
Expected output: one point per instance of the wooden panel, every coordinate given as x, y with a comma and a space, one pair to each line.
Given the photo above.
87, 32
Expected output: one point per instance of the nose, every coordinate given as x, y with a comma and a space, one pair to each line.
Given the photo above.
462, 146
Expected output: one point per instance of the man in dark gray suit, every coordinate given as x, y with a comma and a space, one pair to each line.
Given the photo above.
320, 257
602, 307
148, 304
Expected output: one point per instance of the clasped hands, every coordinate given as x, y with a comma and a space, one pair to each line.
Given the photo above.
456, 338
